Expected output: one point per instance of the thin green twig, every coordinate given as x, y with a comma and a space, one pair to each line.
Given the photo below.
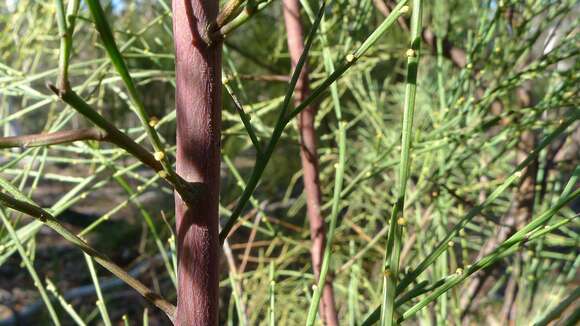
398, 220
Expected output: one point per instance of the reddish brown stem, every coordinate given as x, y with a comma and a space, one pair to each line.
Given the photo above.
53, 138
309, 156
198, 105
458, 56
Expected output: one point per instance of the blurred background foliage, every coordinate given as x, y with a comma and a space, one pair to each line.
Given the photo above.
506, 78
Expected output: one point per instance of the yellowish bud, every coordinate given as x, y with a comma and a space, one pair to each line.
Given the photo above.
159, 156
153, 122
350, 58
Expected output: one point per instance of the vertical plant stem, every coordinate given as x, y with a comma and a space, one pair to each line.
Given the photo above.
236, 284
198, 106
397, 221
67, 307
272, 308
309, 155
101, 304
65, 31
441, 222
338, 180
62, 82
30, 267
353, 289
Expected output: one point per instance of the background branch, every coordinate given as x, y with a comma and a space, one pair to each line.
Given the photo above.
53, 138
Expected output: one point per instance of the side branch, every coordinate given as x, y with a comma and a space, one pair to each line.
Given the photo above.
44, 216
230, 18
53, 138
228, 13
186, 190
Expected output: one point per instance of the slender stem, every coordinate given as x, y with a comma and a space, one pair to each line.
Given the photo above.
441, 218
397, 221
53, 138
245, 119
440, 82
62, 81
265, 78
47, 218
338, 180
188, 191
309, 159
101, 304
30, 267
272, 290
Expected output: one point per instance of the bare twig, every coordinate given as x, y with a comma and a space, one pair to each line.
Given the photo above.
53, 138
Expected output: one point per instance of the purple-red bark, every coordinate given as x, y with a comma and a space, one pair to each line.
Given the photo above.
198, 105
309, 156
